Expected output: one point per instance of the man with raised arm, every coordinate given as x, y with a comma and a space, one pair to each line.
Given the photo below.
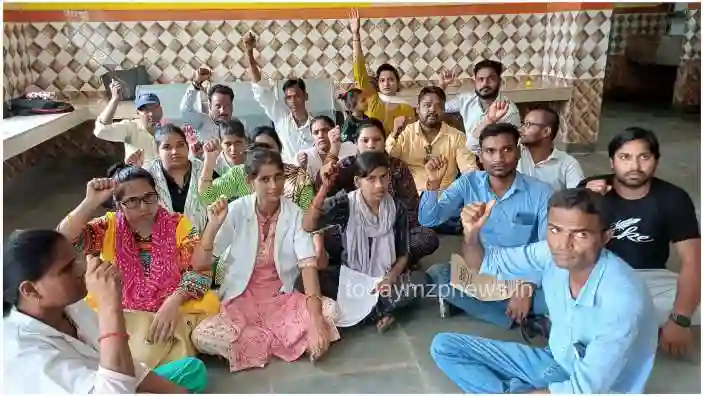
220, 106
290, 117
604, 330
483, 107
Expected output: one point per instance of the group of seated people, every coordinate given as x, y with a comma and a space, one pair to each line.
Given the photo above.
250, 245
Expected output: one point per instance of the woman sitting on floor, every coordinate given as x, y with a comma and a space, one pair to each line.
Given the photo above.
401, 186
176, 175
166, 264
375, 237
260, 251
325, 134
55, 344
233, 184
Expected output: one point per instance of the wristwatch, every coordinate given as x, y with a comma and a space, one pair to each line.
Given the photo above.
683, 321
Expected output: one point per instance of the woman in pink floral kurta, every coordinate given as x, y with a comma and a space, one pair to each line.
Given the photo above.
267, 318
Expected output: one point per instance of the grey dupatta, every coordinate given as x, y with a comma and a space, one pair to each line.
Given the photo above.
194, 210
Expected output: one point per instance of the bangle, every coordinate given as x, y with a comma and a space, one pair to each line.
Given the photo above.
114, 334
207, 249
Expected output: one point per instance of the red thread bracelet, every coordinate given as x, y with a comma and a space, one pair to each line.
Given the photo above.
116, 334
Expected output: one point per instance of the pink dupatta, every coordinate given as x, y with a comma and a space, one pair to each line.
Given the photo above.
144, 290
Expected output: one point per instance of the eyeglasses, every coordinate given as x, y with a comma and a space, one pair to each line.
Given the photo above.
428, 153
134, 202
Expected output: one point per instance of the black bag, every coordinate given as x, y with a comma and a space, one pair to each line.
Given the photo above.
129, 79
27, 107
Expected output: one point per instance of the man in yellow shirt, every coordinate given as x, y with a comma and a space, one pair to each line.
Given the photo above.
430, 137
388, 84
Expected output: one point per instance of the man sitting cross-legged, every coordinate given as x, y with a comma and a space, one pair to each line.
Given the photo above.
604, 330
648, 214
520, 218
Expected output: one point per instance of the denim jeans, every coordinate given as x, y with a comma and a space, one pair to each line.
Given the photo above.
489, 311
480, 365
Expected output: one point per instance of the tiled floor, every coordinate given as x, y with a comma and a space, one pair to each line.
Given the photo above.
399, 361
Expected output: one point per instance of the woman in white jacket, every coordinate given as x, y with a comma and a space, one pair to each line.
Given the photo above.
260, 250
53, 342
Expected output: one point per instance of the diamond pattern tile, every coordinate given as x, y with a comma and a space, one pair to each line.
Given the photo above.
692, 34
687, 89
581, 115
70, 56
624, 25
17, 75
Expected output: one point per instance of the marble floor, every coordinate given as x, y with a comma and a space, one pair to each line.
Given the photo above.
398, 361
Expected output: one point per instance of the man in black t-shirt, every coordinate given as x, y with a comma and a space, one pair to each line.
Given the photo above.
647, 214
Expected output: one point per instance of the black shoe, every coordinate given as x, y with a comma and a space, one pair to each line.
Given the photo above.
535, 326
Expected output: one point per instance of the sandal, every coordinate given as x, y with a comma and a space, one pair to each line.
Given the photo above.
385, 323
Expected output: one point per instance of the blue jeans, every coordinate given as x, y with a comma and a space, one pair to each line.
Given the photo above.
489, 311
479, 365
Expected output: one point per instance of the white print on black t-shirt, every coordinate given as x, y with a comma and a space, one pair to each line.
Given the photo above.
628, 229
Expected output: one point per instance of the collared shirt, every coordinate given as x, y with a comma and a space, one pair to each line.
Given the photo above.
605, 338
132, 134
202, 123
519, 216
412, 147
560, 170
38, 359
294, 138
472, 112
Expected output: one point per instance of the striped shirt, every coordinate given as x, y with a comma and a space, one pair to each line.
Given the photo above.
233, 184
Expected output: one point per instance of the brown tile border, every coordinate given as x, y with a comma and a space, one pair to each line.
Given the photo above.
138, 13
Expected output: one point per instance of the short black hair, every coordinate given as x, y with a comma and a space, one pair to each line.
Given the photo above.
631, 134
168, 129
432, 90
27, 257
553, 121
268, 131
369, 161
371, 123
257, 158
387, 67
293, 83
500, 128
222, 90
233, 127
324, 119
489, 64
583, 199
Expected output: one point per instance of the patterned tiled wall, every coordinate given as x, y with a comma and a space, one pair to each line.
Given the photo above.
624, 25
687, 90
17, 74
70, 56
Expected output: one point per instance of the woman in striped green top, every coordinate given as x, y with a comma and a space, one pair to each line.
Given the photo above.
233, 184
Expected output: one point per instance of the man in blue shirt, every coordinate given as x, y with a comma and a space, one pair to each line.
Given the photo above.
604, 330
520, 218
